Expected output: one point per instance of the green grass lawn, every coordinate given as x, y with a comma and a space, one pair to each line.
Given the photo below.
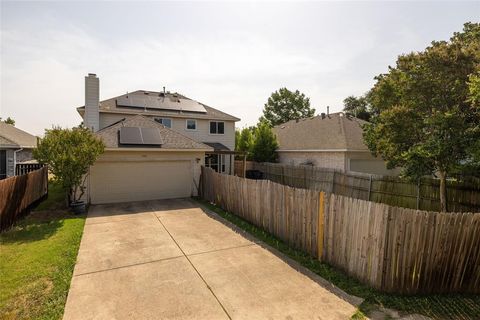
37, 257
451, 306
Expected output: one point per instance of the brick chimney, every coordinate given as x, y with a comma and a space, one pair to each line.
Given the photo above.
92, 93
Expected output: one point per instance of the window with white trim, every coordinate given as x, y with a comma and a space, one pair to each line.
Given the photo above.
217, 127
167, 122
191, 124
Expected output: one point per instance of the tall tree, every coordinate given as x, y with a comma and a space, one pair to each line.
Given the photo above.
8, 121
245, 142
285, 105
265, 145
237, 138
426, 121
357, 107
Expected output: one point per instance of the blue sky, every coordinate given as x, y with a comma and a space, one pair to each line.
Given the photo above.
230, 56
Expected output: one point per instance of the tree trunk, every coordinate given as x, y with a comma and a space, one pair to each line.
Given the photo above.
443, 191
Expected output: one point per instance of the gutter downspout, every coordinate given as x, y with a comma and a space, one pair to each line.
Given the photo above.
15, 161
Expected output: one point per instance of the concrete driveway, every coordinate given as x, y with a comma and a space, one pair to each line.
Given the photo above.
170, 259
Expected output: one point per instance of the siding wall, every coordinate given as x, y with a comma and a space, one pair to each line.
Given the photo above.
334, 160
346, 161
367, 163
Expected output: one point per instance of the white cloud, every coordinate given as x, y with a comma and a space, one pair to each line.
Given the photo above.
42, 78
228, 56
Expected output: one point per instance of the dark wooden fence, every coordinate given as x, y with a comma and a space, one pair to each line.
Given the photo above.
19, 193
24, 168
393, 249
462, 196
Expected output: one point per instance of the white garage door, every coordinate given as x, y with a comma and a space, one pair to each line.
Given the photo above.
137, 181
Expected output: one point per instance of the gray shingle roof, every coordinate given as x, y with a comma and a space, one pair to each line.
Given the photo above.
13, 137
171, 139
110, 105
335, 131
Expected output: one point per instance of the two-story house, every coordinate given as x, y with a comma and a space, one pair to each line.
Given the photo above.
155, 144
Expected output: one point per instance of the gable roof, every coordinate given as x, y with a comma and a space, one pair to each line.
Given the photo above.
12, 137
171, 139
110, 106
336, 131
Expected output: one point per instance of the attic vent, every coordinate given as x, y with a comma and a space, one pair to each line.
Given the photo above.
146, 92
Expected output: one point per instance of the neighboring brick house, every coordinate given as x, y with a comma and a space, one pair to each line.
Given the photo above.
329, 141
15, 147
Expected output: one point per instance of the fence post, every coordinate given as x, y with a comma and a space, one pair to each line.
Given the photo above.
244, 165
320, 231
370, 188
305, 177
418, 194
333, 181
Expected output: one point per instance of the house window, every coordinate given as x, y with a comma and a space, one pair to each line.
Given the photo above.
191, 124
217, 127
165, 121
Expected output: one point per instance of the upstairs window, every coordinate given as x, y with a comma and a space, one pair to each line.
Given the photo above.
191, 124
217, 127
165, 121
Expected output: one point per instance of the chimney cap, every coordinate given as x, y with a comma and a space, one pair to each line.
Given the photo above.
92, 75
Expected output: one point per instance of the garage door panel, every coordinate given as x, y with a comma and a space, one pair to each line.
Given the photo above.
137, 181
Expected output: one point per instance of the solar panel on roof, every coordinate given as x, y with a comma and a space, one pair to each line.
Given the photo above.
151, 136
158, 102
140, 136
130, 135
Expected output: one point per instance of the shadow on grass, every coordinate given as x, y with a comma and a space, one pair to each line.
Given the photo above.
42, 222
35, 227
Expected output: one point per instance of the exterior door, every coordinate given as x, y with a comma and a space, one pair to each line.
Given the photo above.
3, 164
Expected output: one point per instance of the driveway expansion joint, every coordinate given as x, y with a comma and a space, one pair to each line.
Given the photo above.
222, 249
190, 262
126, 266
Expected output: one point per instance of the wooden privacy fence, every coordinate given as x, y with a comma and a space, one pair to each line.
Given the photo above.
462, 196
18, 193
238, 167
392, 249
